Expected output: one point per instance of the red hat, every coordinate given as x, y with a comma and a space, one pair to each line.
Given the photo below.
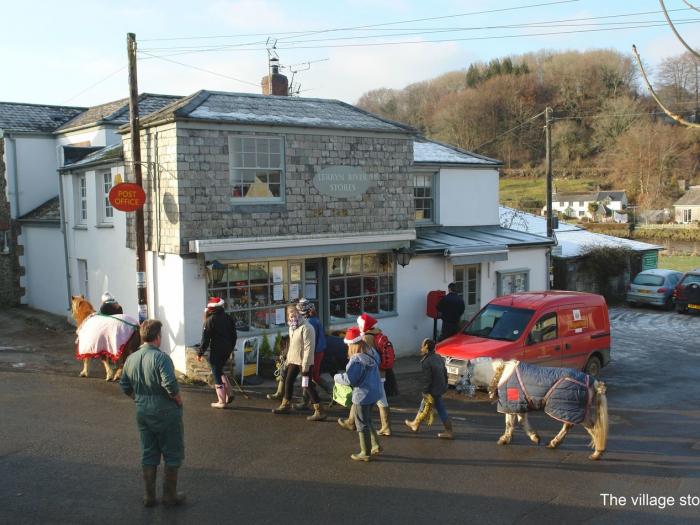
352, 336
366, 322
215, 302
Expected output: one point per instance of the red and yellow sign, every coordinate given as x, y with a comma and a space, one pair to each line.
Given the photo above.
127, 196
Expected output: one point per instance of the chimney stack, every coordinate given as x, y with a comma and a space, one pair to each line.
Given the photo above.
275, 83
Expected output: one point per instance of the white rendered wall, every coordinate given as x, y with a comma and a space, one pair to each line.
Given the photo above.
468, 197
95, 136
36, 173
533, 259
45, 272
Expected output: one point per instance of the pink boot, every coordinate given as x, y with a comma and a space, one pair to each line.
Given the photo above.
221, 394
228, 388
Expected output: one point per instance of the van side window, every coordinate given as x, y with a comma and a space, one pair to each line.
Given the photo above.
545, 328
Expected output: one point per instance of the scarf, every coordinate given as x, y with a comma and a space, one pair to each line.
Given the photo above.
294, 322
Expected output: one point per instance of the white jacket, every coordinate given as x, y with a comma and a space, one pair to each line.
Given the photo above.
302, 343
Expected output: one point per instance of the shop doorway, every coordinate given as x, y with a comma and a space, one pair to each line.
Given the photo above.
467, 279
315, 286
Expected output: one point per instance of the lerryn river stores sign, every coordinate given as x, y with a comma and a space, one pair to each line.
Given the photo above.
342, 181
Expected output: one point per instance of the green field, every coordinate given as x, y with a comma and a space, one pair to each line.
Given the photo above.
682, 263
515, 189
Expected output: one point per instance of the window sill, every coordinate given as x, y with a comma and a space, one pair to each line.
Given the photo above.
80, 227
104, 225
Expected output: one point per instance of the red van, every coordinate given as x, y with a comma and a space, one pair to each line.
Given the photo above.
555, 328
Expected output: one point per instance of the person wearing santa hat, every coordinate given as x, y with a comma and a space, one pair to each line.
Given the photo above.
219, 337
370, 333
362, 374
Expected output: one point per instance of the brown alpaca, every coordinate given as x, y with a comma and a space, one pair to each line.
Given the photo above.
81, 309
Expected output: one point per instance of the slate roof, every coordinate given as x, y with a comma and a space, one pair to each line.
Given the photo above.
470, 239
572, 240
596, 196
49, 212
251, 109
691, 197
108, 153
432, 152
35, 118
117, 111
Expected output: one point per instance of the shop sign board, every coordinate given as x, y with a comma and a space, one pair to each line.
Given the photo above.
127, 196
342, 181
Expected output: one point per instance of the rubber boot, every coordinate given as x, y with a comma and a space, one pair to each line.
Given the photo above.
284, 408
170, 494
349, 423
384, 415
319, 414
229, 389
365, 444
304, 405
423, 413
221, 394
376, 447
280, 391
149, 483
448, 433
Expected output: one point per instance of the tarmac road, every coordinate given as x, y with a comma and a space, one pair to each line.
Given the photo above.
69, 450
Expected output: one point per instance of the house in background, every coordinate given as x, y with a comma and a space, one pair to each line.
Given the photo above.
687, 208
610, 205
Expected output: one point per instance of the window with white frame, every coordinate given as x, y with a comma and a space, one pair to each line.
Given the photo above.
361, 283
256, 169
83, 280
104, 184
512, 281
5, 242
424, 196
81, 200
687, 215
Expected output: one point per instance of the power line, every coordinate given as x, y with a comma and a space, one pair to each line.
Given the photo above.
201, 69
508, 131
95, 84
471, 13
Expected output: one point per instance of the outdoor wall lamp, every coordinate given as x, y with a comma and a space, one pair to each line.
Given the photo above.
215, 271
403, 256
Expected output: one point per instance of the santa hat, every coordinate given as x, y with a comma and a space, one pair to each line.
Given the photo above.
366, 322
215, 302
108, 298
352, 336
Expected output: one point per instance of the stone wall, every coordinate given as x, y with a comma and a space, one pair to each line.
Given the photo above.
196, 204
10, 291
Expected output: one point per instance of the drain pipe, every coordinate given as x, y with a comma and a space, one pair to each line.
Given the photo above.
64, 221
15, 188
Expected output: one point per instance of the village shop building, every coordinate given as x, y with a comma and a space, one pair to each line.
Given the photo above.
265, 199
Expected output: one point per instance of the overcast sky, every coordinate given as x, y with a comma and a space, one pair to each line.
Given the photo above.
55, 52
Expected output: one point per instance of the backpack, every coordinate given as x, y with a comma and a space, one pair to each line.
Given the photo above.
386, 352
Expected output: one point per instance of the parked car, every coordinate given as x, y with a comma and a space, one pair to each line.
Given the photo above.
687, 292
653, 287
554, 328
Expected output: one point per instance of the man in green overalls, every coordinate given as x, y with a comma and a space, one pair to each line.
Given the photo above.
149, 378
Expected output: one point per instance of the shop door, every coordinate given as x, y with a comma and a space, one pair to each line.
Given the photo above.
467, 279
315, 286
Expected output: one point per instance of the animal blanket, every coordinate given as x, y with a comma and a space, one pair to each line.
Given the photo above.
562, 392
104, 335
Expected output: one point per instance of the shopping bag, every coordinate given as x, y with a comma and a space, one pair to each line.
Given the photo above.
342, 394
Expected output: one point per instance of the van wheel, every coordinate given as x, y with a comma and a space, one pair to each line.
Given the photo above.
593, 366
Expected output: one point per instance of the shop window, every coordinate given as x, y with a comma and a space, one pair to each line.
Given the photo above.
513, 281
104, 207
424, 196
256, 169
257, 293
361, 283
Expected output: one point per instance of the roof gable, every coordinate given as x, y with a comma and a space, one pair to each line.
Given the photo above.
251, 109
35, 118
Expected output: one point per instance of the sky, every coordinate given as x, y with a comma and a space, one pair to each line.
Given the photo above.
74, 52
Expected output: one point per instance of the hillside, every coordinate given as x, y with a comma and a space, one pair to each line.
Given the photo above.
606, 131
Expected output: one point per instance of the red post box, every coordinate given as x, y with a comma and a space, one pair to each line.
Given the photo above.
434, 297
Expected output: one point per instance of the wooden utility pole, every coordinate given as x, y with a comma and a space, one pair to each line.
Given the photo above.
548, 162
136, 162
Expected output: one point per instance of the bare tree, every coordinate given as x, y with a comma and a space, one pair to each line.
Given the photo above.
674, 116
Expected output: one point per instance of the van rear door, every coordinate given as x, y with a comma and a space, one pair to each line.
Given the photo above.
543, 345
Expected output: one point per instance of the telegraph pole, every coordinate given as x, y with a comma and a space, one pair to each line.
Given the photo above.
548, 162
136, 162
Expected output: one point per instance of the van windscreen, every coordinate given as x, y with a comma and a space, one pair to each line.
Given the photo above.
499, 322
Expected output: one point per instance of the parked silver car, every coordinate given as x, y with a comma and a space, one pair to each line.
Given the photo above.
653, 287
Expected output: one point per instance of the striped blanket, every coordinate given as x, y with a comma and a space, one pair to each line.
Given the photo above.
104, 335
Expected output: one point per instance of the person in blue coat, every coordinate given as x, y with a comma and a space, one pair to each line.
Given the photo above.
362, 374
149, 378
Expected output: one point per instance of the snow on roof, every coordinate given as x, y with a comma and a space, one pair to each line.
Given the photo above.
572, 240
431, 152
